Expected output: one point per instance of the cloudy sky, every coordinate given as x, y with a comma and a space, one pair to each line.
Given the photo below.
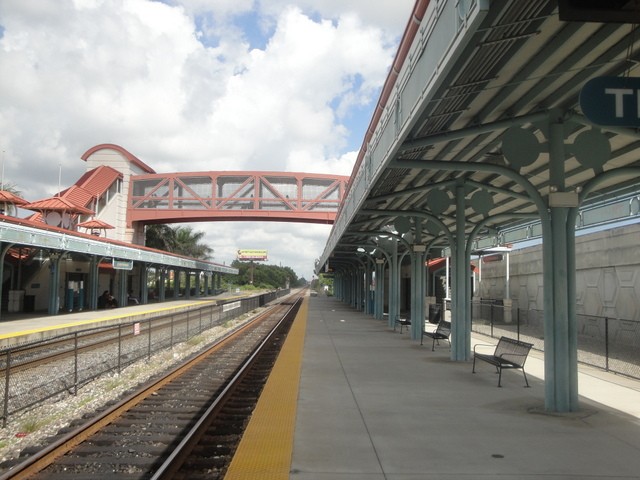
195, 85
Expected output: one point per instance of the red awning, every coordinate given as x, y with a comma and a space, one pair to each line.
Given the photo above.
99, 224
436, 264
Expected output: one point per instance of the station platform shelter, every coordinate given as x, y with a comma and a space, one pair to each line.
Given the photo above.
351, 399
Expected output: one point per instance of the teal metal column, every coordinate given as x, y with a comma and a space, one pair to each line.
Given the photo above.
417, 282
417, 291
357, 288
352, 287
197, 284
3, 254
54, 283
122, 288
369, 293
394, 285
206, 285
144, 283
163, 284
176, 284
560, 339
460, 323
379, 290
187, 284
93, 282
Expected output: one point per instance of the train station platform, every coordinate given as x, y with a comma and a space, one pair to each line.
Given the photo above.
366, 402
19, 328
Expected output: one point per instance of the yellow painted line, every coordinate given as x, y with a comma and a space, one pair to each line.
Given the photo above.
267, 444
96, 320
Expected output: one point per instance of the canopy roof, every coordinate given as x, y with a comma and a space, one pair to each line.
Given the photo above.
57, 204
8, 197
95, 223
464, 139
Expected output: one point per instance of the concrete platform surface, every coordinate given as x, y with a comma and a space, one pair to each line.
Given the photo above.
373, 404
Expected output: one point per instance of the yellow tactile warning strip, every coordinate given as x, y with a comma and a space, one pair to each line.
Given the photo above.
265, 449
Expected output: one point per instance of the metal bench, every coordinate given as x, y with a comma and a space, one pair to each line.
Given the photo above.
508, 353
442, 332
403, 322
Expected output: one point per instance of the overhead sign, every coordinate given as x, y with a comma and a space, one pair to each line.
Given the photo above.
612, 101
122, 264
259, 255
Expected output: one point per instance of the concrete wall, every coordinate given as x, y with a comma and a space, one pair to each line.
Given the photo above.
607, 275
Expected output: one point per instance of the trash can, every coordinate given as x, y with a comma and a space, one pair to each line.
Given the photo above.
29, 303
434, 313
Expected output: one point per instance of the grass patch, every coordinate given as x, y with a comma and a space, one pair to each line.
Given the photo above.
33, 424
113, 383
193, 341
86, 401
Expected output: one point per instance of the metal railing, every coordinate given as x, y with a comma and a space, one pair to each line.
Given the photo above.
611, 344
34, 372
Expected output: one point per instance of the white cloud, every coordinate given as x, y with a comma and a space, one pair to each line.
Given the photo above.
182, 85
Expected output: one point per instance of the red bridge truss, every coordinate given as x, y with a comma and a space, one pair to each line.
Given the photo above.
211, 196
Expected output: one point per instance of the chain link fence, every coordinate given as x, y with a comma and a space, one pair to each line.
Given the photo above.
34, 372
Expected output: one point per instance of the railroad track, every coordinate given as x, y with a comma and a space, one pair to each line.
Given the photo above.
34, 356
153, 432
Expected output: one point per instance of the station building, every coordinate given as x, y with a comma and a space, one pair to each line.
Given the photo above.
77, 245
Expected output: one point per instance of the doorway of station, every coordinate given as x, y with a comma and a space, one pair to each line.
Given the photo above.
74, 295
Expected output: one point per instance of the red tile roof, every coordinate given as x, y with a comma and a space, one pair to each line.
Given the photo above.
98, 180
57, 204
95, 223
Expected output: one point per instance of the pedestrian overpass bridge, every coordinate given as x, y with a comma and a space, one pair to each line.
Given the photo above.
235, 196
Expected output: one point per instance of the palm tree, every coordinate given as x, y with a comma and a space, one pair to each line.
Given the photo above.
161, 237
8, 207
188, 243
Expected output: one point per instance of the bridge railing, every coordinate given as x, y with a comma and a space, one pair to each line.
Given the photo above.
238, 191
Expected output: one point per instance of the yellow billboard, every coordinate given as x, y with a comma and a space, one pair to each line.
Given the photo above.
259, 255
